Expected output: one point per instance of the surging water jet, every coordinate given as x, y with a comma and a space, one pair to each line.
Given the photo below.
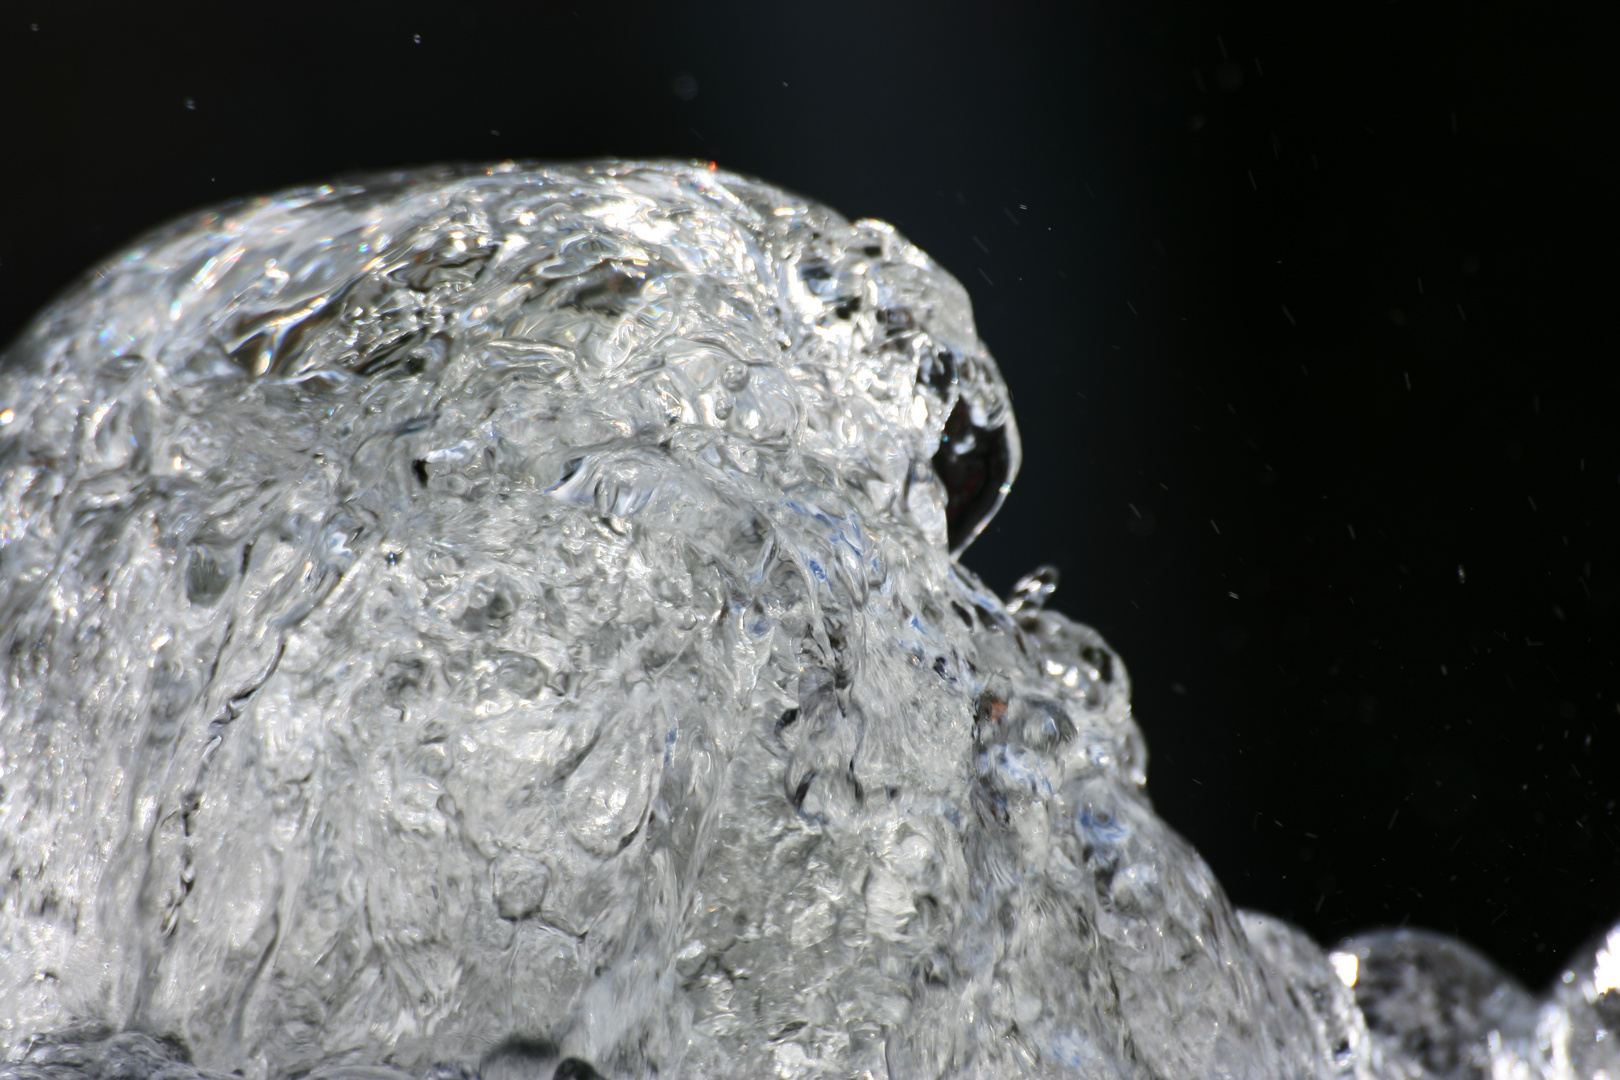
506, 622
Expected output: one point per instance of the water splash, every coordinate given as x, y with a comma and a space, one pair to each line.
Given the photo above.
503, 622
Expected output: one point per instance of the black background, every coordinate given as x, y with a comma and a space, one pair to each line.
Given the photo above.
1306, 309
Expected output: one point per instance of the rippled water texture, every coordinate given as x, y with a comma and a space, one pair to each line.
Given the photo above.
506, 620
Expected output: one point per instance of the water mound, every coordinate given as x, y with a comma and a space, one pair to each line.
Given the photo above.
504, 623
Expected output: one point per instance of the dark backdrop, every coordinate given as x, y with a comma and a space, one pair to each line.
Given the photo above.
1306, 309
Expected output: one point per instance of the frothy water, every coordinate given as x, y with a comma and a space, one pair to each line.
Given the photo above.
504, 622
